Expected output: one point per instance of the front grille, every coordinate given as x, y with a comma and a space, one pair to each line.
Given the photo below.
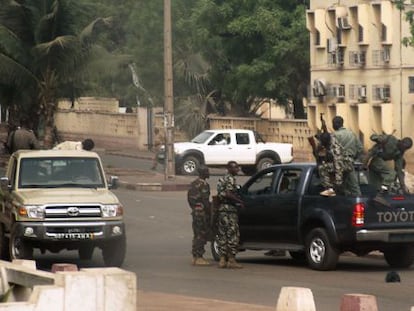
95, 229
72, 211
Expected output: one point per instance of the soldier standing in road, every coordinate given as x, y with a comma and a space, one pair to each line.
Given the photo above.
22, 138
228, 234
387, 148
159, 140
198, 197
353, 150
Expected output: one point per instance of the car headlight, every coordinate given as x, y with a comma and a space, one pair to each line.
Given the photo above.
112, 210
32, 211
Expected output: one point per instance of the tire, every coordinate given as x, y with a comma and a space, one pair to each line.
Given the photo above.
114, 252
18, 248
4, 244
320, 253
298, 256
85, 252
248, 170
214, 250
400, 256
265, 163
190, 166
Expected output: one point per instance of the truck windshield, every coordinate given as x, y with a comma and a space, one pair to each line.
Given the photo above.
202, 137
60, 172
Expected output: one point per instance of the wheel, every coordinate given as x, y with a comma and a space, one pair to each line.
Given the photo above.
4, 245
400, 256
85, 252
248, 170
113, 252
18, 248
265, 163
298, 256
320, 254
214, 250
190, 166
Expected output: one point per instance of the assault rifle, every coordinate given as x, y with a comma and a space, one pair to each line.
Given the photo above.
317, 150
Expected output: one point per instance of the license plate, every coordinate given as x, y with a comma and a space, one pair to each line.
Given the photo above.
75, 236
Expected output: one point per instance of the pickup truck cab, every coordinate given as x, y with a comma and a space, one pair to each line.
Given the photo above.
215, 148
59, 199
284, 211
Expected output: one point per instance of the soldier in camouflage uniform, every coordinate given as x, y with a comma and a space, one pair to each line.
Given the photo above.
228, 234
353, 151
198, 197
387, 148
334, 165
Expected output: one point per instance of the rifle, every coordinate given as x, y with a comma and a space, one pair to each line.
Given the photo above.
317, 151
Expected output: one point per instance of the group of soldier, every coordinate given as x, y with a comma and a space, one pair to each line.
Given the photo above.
336, 155
340, 150
223, 223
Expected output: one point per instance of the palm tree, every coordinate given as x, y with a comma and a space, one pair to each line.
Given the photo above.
42, 55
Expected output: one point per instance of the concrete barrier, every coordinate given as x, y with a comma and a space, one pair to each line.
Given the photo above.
358, 302
24, 288
295, 299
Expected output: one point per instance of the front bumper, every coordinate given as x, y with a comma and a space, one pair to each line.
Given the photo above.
58, 231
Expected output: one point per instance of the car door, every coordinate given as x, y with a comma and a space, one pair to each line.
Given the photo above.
219, 149
245, 148
271, 216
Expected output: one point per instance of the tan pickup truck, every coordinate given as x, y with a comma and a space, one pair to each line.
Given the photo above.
60, 199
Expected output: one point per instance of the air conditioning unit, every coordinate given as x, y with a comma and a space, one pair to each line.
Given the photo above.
332, 45
319, 88
343, 23
386, 55
362, 94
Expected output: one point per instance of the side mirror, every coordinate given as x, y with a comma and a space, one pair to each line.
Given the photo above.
4, 183
113, 182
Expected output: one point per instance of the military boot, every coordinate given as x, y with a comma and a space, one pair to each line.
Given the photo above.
200, 261
223, 262
233, 264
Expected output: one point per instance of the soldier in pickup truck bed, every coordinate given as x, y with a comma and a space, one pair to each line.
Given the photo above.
387, 148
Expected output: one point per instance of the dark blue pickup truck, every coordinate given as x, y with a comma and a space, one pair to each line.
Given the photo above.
284, 211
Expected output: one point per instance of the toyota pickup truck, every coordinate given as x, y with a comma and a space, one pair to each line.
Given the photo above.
215, 148
60, 199
284, 211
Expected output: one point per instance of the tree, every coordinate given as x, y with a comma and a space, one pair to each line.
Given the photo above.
43, 53
256, 49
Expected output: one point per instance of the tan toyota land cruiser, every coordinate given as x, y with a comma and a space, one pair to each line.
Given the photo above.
60, 199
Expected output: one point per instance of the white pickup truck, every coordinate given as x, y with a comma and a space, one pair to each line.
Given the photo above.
215, 148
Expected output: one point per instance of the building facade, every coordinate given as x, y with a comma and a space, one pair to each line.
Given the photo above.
360, 68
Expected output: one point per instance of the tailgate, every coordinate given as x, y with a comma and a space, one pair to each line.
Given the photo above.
392, 221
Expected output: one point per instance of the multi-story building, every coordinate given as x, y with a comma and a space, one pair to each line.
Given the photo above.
360, 68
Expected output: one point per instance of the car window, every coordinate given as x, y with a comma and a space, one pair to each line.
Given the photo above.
262, 185
315, 185
220, 139
288, 181
242, 138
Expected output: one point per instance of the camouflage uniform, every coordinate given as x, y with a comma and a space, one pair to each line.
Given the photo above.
228, 234
198, 199
353, 151
385, 149
335, 163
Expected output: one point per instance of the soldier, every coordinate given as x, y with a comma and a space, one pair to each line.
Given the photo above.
228, 234
333, 166
198, 197
159, 140
353, 151
22, 138
387, 148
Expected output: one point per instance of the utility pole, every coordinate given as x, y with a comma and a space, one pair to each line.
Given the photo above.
168, 93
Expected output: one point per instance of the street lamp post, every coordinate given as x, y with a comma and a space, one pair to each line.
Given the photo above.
168, 93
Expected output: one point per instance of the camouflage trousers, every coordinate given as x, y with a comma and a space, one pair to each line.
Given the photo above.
228, 234
201, 231
340, 175
380, 173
